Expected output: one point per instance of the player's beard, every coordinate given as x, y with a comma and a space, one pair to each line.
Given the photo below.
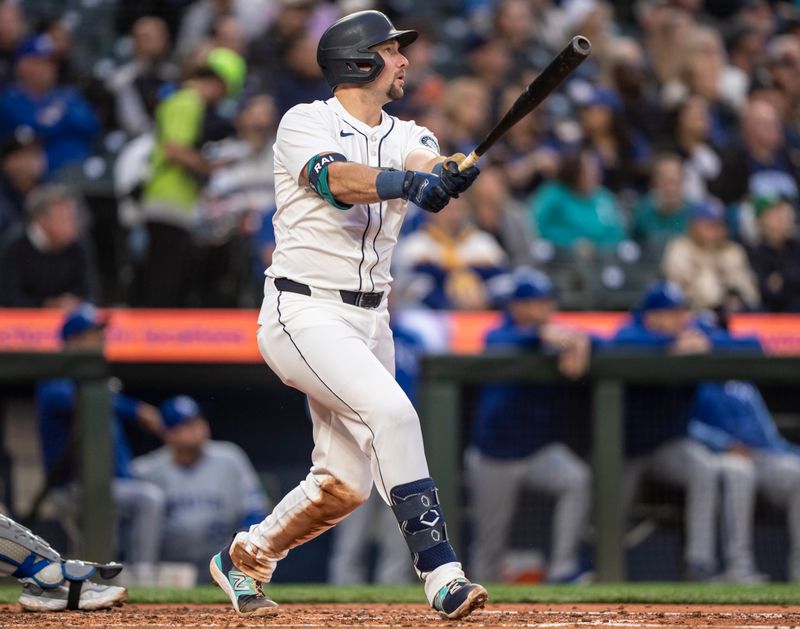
395, 92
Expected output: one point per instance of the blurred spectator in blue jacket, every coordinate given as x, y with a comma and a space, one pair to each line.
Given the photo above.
47, 261
711, 269
445, 263
22, 166
577, 211
732, 417
140, 505
776, 257
518, 442
664, 212
58, 115
657, 441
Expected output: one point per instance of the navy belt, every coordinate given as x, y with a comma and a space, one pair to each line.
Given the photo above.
354, 298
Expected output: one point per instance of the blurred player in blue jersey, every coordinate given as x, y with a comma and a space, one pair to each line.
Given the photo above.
517, 441
140, 505
657, 440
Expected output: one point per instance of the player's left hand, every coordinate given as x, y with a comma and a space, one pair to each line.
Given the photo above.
455, 181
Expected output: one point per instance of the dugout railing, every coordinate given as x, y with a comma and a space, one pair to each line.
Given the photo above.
441, 406
94, 461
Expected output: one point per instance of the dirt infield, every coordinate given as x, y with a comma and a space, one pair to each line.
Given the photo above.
380, 615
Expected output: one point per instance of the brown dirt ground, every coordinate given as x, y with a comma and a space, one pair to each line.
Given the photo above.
380, 615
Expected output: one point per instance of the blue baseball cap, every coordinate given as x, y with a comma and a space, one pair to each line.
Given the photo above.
663, 296
708, 210
178, 410
531, 284
37, 46
82, 319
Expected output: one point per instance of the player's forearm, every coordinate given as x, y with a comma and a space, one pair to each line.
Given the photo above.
353, 183
344, 184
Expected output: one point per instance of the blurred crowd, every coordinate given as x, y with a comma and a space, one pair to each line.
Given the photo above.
136, 148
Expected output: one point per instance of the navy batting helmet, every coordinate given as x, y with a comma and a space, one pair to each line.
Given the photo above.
343, 49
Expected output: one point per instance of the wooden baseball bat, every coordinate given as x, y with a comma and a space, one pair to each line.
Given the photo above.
578, 49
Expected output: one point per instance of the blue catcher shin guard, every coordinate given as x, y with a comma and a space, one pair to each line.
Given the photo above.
417, 509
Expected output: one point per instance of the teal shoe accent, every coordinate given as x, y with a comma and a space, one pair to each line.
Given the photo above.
244, 592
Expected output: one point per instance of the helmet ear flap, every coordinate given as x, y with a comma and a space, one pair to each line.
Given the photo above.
348, 67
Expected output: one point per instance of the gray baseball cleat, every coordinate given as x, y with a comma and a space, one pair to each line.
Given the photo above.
92, 596
459, 598
247, 597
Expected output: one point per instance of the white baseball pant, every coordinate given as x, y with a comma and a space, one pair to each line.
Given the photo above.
364, 426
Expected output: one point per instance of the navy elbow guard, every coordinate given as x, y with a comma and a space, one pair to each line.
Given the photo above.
317, 171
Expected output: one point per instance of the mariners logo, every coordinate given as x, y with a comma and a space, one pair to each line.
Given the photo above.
430, 142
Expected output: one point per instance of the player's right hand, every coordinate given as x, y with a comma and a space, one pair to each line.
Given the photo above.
425, 190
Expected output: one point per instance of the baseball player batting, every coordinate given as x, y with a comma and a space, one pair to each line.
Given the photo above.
344, 172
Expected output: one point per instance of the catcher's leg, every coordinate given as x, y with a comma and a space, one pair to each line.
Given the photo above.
51, 583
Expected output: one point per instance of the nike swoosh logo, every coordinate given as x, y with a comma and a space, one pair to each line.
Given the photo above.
344, 135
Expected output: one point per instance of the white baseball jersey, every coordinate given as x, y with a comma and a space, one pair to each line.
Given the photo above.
318, 244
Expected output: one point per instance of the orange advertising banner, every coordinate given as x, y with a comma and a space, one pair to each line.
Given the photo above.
214, 336
229, 336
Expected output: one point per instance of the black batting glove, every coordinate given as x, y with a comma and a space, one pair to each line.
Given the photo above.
455, 181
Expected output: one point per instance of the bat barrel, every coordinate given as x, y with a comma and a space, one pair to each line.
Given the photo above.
574, 53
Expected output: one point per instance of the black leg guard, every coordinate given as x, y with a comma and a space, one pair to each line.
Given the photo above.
417, 509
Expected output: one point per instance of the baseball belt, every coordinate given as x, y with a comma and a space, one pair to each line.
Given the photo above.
354, 298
